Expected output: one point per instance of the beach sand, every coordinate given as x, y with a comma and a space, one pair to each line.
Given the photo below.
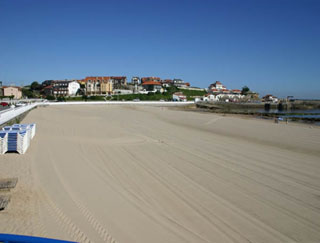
144, 174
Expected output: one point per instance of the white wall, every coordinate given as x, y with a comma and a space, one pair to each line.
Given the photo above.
73, 87
9, 114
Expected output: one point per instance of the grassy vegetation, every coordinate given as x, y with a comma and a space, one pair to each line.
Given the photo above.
167, 96
150, 96
191, 93
77, 98
7, 97
83, 98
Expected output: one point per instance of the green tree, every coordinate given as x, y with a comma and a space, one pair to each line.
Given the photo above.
245, 90
50, 97
61, 99
28, 93
85, 97
35, 86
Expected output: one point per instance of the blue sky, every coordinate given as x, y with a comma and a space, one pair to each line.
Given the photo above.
270, 46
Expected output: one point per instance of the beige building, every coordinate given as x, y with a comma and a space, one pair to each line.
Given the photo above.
98, 85
12, 91
106, 87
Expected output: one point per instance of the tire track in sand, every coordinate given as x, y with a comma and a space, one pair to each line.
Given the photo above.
61, 218
95, 224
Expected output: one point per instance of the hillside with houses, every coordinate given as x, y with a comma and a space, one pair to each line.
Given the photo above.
107, 88
119, 88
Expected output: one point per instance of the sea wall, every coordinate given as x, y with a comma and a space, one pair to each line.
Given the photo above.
243, 107
12, 113
9, 114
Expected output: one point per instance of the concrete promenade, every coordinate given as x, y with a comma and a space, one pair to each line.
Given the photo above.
11, 113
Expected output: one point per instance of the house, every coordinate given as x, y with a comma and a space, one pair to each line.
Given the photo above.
48, 90
118, 81
82, 83
73, 87
152, 86
218, 92
63, 88
150, 79
270, 98
167, 83
236, 91
192, 88
1, 90
210, 97
14, 91
179, 96
135, 85
135, 80
179, 83
95, 85
252, 95
47, 83
122, 91
217, 86
197, 98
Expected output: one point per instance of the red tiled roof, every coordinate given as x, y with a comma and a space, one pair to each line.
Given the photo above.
150, 79
118, 77
95, 78
12, 87
151, 83
167, 81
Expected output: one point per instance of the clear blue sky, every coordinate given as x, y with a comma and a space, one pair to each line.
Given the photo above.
271, 46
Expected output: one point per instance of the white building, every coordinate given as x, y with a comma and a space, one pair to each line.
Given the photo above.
217, 86
122, 91
270, 98
135, 80
73, 88
65, 87
179, 96
224, 96
179, 83
152, 86
218, 92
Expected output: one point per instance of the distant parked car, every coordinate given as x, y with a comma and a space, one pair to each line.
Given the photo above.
136, 100
4, 103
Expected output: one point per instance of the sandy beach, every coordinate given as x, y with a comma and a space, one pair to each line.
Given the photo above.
144, 174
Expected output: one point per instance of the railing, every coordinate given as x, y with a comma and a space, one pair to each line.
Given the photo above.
9, 238
6, 110
11, 113
8, 114
161, 103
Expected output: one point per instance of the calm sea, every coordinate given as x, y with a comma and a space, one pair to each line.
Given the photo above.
313, 114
